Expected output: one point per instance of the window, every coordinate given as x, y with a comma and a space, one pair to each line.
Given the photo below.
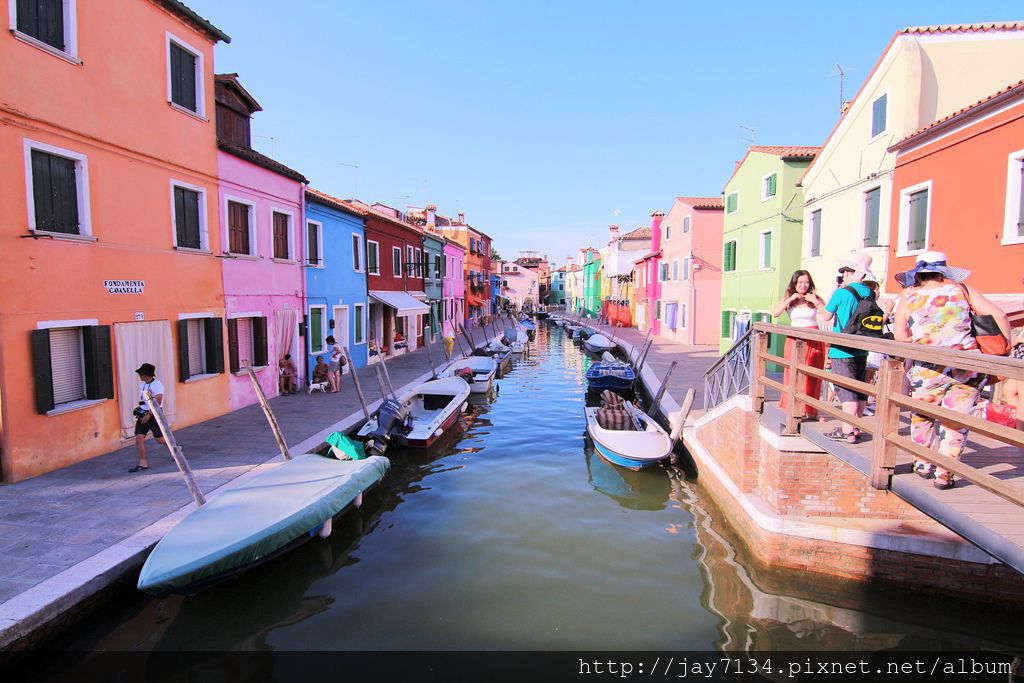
360, 323
682, 314
247, 342
914, 211
728, 323
46, 24
185, 76
317, 332
410, 260
358, 255
282, 235
675, 269
814, 239
657, 310
765, 260
878, 116
1013, 231
729, 256
872, 212
188, 213
372, 258
240, 228
200, 346
768, 186
686, 268
58, 189
732, 202
668, 232
396, 261
686, 224
314, 244
71, 363
419, 263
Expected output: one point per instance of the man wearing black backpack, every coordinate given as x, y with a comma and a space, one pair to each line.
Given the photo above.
852, 309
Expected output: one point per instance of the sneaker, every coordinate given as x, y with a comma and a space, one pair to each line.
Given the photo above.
838, 434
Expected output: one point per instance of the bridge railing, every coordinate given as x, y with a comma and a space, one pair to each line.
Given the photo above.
889, 397
730, 374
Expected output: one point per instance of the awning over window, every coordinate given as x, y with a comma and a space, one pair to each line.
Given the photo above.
401, 302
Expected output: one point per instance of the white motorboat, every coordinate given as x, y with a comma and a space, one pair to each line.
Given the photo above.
483, 369
419, 417
644, 444
598, 343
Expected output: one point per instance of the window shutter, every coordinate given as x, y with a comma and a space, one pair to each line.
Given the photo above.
238, 228
312, 245
43, 20
41, 370
815, 249
280, 235
183, 78
99, 366
233, 362
54, 193
772, 179
259, 341
66, 365
1020, 198
183, 364
871, 214
214, 330
918, 220
355, 252
725, 324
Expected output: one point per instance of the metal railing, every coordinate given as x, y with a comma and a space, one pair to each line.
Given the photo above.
730, 375
890, 399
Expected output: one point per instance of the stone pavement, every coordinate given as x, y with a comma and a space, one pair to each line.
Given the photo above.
56, 522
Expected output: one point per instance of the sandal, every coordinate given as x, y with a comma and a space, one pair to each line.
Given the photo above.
137, 468
924, 469
944, 482
838, 434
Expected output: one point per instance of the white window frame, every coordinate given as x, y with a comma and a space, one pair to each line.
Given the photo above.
760, 249
904, 226
809, 222
309, 334
687, 262
686, 224
1013, 198
359, 311
253, 247
864, 218
398, 271
204, 232
675, 269
737, 195
70, 54
871, 117
735, 257
764, 187
319, 243
418, 256
81, 188
377, 245
410, 260
291, 234
360, 253
58, 324
200, 111
668, 232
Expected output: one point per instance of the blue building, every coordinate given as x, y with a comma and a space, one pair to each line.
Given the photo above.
496, 290
335, 277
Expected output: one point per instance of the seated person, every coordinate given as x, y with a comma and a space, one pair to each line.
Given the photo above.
612, 414
287, 381
320, 371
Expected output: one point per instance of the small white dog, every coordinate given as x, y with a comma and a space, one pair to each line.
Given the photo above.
318, 386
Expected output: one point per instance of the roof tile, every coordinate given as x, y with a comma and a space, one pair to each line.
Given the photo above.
1006, 93
703, 202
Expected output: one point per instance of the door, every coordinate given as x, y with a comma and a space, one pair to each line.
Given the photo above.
136, 343
341, 330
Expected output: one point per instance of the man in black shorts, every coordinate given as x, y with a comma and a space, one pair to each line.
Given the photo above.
144, 420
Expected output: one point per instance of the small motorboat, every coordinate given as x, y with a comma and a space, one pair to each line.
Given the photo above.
431, 409
614, 375
517, 339
598, 343
501, 353
541, 313
624, 435
262, 517
530, 327
481, 371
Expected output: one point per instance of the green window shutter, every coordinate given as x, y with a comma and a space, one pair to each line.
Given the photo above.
99, 366
42, 373
766, 256
771, 184
183, 373
918, 220
259, 342
725, 324
233, 345
872, 209
214, 330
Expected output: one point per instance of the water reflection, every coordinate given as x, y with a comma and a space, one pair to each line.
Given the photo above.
646, 489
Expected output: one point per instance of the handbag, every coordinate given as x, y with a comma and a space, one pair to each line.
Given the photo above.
986, 331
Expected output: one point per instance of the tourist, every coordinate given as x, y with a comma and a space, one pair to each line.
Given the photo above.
144, 420
935, 310
334, 366
848, 362
801, 304
320, 372
286, 382
1013, 389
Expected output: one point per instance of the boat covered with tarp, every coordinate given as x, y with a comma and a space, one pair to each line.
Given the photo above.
598, 343
613, 374
624, 435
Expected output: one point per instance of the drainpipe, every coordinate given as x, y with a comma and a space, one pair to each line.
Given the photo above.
303, 366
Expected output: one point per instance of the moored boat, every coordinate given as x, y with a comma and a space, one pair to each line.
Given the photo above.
626, 436
261, 517
610, 375
432, 409
483, 369
598, 343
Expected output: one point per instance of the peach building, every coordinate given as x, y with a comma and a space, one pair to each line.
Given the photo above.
977, 218
108, 137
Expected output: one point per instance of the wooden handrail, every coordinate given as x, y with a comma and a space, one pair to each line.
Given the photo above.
845, 382
955, 419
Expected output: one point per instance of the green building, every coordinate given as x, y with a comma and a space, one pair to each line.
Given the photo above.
592, 273
762, 236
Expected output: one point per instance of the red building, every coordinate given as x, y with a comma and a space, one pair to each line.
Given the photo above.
394, 280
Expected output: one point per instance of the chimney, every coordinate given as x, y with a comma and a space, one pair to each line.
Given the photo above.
462, 218
656, 219
431, 216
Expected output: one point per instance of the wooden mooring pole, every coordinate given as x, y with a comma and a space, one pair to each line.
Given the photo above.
684, 411
387, 376
355, 381
380, 380
664, 385
176, 453
430, 356
274, 426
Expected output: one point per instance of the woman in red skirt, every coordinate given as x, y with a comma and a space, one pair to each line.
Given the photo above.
800, 304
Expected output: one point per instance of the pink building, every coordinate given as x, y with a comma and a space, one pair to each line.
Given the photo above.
262, 219
648, 298
691, 260
453, 299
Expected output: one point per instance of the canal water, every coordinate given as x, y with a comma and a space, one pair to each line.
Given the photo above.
513, 537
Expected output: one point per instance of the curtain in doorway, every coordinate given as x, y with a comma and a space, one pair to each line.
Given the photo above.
135, 344
285, 321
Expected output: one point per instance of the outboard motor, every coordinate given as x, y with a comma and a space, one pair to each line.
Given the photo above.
393, 420
466, 374
510, 335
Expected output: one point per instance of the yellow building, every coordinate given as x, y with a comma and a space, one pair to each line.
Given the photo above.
925, 74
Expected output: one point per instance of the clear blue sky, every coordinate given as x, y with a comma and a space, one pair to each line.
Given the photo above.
547, 121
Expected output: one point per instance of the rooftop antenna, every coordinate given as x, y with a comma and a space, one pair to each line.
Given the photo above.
842, 75
273, 148
356, 173
752, 131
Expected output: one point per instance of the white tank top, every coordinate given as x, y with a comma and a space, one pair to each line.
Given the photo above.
803, 316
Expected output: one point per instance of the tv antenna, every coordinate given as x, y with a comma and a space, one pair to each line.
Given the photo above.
355, 173
842, 75
273, 147
752, 132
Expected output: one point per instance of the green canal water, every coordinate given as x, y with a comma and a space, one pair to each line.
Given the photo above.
512, 537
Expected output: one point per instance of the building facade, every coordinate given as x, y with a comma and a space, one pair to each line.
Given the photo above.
335, 279
453, 283
110, 195
477, 265
648, 293
520, 286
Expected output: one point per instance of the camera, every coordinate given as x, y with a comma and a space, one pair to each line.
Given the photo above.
139, 410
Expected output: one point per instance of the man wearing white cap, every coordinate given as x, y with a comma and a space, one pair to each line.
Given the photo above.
848, 362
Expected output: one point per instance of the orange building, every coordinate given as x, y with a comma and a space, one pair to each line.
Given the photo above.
477, 265
108, 222
957, 188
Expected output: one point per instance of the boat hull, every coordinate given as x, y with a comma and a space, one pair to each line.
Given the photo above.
633, 449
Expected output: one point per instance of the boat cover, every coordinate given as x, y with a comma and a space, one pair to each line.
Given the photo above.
254, 519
